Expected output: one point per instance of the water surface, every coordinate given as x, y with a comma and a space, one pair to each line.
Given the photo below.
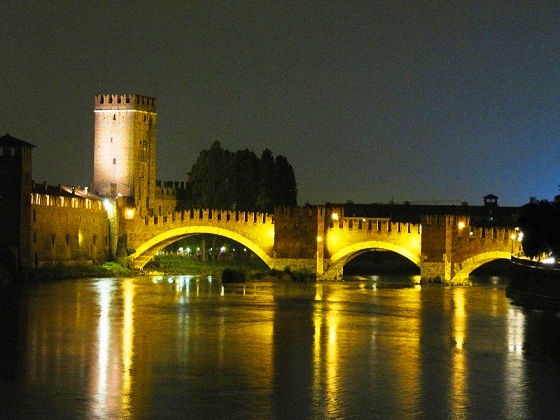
190, 347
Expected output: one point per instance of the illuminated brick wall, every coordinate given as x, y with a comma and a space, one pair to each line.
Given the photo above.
125, 148
67, 229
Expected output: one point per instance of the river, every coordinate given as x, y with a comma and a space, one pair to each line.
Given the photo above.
190, 347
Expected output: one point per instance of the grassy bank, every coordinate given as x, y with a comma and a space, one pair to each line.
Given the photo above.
166, 265
60, 272
234, 271
178, 265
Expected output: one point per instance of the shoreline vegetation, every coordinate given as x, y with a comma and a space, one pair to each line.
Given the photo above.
229, 271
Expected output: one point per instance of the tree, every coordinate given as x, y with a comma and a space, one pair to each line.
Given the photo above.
285, 186
209, 178
540, 223
221, 179
265, 201
245, 178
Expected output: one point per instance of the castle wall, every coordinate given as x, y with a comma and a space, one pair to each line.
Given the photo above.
170, 196
68, 230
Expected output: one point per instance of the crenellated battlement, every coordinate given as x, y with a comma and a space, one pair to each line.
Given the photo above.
125, 102
209, 216
375, 225
170, 188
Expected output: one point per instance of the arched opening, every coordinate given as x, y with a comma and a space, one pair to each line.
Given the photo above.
144, 253
198, 252
470, 265
337, 263
379, 262
494, 273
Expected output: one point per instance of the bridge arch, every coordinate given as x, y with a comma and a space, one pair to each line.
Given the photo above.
148, 249
341, 257
471, 264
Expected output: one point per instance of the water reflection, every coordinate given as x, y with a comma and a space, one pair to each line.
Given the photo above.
190, 346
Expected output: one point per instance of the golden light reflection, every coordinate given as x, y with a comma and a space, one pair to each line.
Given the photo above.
459, 318
516, 331
514, 373
103, 338
459, 379
127, 342
332, 322
404, 365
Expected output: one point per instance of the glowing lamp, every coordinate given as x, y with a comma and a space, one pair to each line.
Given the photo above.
129, 213
108, 206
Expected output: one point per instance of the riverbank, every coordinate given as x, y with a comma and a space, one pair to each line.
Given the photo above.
170, 265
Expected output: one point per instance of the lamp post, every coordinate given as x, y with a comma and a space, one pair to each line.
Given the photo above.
516, 237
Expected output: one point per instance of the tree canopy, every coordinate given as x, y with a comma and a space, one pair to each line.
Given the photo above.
240, 180
540, 223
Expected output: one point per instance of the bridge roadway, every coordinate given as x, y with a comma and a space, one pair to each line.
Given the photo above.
321, 240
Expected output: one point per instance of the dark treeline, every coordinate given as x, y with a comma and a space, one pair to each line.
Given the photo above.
540, 223
240, 180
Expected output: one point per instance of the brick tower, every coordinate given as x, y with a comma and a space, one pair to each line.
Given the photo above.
124, 162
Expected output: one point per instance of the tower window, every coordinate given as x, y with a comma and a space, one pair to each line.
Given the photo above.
114, 117
114, 161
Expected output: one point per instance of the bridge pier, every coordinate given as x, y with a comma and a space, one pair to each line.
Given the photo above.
432, 270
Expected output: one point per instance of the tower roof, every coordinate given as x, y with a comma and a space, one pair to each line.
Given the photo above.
7, 140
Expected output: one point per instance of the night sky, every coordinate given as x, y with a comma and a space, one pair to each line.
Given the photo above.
430, 102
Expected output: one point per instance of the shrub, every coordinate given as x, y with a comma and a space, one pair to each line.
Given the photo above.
233, 276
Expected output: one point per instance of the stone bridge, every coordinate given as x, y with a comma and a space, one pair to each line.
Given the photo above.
322, 240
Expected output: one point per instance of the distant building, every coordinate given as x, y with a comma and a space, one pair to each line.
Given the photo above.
15, 193
487, 215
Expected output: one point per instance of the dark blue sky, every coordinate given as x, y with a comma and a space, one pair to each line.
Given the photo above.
436, 101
